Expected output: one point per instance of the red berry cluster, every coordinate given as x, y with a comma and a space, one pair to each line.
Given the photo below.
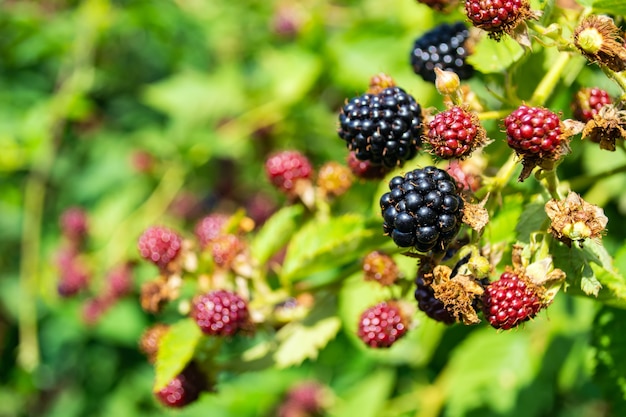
588, 102
382, 325
220, 313
159, 245
454, 133
511, 300
534, 132
285, 168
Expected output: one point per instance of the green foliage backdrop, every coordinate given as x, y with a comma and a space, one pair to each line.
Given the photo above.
147, 112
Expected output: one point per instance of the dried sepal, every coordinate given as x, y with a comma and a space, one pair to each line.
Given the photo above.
458, 294
379, 82
606, 127
573, 219
476, 216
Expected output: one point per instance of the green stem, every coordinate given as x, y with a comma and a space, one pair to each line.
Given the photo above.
550, 80
585, 181
498, 182
551, 182
494, 114
618, 78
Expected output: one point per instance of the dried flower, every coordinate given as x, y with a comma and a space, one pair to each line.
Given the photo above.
573, 219
599, 40
606, 127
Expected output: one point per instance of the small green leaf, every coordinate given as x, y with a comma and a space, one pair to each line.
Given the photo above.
276, 232
176, 349
614, 7
490, 56
327, 243
530, 221
302, 342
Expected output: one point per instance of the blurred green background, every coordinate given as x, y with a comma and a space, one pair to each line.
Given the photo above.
162, 111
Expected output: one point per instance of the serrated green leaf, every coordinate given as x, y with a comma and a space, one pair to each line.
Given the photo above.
530, 221
326, 243
584, 266
368, 397
304, 342
176, 349
614, 7
490, 56
276, 232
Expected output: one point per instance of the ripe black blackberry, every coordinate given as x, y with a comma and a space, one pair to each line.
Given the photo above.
422, 209
383, 128
443, 47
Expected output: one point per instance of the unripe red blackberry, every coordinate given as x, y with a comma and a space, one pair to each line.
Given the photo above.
210, 227
159, 245
588, 102
465, 180
73, 223
511, 300
93, 309
366, 169
455, 133
382, 325
497, 16
533, 132
383, 128
119, 280
220, 313
422, 209
429, 304
443, 47
303, 400
183, 389
285, 168
380, 267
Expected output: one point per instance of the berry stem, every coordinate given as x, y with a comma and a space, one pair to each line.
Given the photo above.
498, 182
618, 78
550, 80
584, 181
494, 114
551, 182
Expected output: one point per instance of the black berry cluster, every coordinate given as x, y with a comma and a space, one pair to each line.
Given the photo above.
383, 128
442, 47
422, 209
429, 304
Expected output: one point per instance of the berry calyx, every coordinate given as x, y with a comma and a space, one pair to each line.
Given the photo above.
159, 245
382, 325
220, 313
455, 133
422, 209
443, 47
284, 169
150, 340
588, 102
511, 300
384, 128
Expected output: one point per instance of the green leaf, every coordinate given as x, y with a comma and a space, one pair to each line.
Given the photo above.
614, 7
368, 397
500, 225
490, 56
530, 221
300, 342
276, 232
176, 349
326, 243
587, 268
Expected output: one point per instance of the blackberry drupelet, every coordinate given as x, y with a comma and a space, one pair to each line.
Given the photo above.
422, 209
497, 17
442, 47
384, 128
220, 313
382, 325
588, 102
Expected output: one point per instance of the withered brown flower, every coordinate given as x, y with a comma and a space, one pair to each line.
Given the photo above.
599, 40
606, 127
574, 219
